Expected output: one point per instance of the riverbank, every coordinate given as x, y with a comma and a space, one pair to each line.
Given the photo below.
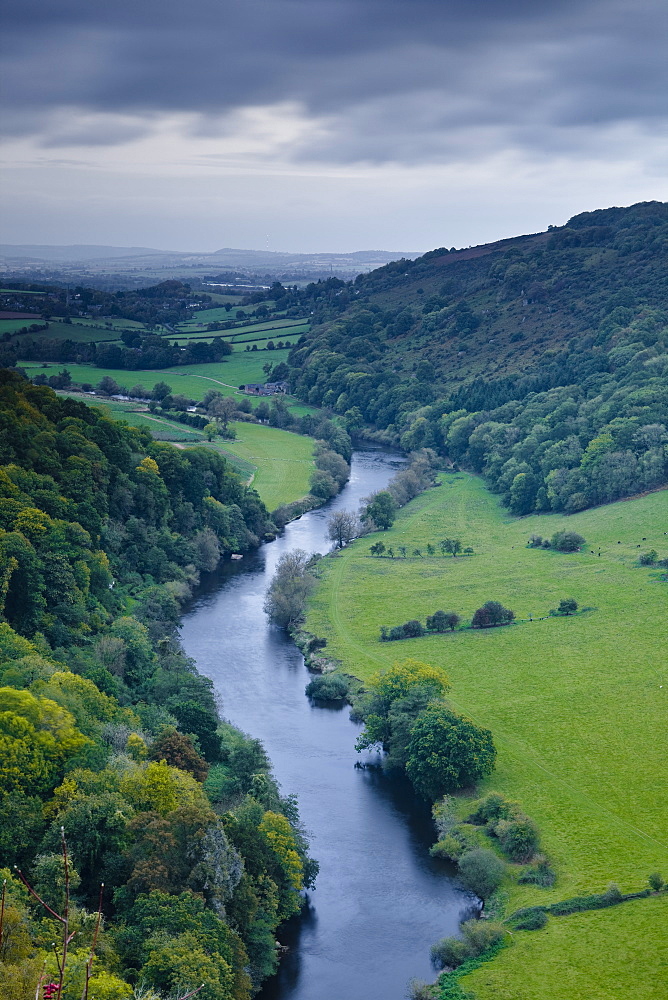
574, 704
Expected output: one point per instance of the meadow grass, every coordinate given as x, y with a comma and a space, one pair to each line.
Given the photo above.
284, 461
575, 704
189, 380
619, 953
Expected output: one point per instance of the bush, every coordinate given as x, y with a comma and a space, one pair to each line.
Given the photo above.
531, 919
535, 541
648, 558
481, 871
518, 837
449, 953
656, 881
329, 687
567, 541
480, 935
493, 806
539, 874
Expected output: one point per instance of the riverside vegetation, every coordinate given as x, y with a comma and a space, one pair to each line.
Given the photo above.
110, 735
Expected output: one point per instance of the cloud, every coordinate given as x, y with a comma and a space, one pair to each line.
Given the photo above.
375, 81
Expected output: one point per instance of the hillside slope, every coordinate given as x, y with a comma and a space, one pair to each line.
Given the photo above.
542, 356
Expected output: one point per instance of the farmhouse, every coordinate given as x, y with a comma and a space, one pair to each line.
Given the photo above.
264, 389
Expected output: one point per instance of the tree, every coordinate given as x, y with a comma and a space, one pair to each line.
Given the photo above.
447, 751
160, 390
108, 386
481, 871
323, 485
178, 751
223, 408
567, 606
290, 587
441, 621
451, 545
380, 508
211, 430
377, 548
490, 614
342, 527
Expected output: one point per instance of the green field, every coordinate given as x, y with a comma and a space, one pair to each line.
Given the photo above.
284, 461
190, 380
79, 332
575, 704
615, 954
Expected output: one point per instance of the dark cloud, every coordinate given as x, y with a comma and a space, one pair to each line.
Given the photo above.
402, 80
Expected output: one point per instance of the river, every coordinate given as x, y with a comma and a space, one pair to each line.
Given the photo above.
380, 901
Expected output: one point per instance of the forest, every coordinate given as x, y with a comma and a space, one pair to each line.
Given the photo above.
109, 737
539, 362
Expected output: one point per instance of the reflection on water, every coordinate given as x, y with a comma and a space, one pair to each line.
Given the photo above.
380, 899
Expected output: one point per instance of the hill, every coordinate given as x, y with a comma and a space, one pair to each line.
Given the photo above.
543, 356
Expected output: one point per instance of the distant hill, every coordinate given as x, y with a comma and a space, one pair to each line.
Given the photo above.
488, 333
81, 260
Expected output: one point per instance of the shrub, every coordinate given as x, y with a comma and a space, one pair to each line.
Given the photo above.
481, 871
518, 837
656, 881
449, 847
418, 989
329, 687
480, 935
492, 807
449, 953
648, 558
540, 874
567, 541
535, 541
531, 919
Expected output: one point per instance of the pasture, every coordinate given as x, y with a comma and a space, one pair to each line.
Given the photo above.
190, 380
575, 704
284, 461
614, 954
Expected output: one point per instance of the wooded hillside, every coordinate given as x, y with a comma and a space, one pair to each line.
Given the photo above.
539, 361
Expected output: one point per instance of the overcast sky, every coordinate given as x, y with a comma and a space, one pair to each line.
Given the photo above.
327, 124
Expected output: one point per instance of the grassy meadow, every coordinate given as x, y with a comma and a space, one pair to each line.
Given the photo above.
577, 705
190, 380
284, 461
626, 956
